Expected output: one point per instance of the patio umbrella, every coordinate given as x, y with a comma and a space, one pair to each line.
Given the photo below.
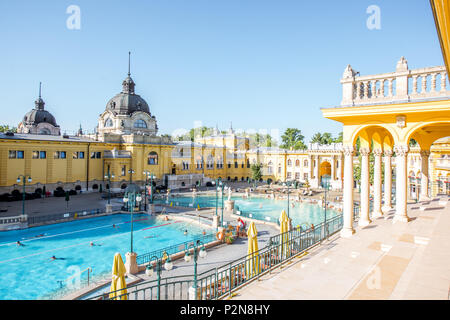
252, 252
284, 228
118, 280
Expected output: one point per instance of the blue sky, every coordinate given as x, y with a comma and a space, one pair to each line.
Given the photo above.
260, 64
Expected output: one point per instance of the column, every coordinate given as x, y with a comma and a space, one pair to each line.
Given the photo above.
364, 219
340, 163
377, 184
425, 178
333, 164
401, 152
310, 172
387, 180
316, 171
347, 228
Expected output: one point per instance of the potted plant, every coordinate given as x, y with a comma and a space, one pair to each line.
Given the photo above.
229, 238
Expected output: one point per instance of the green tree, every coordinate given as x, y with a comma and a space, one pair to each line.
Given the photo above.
260, 140
292, 138
316, 138
327, 138
339, 138
322, 138
6, 128
256, 171
412, 143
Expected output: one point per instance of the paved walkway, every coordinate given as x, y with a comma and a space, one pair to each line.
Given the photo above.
381, 261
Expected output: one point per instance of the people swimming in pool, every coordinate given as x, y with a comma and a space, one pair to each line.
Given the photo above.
185, 232
20, 244
40, 235
55, 258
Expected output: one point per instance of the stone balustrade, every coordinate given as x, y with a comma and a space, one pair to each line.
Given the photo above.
403, 85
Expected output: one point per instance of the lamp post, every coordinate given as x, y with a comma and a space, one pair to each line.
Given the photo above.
131, 198
326, 186
24, 179
220, 187
147, 174
109, 176
287, 183
202, 253
168, 265
131, 171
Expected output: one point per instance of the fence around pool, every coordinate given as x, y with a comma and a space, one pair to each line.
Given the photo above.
218, 282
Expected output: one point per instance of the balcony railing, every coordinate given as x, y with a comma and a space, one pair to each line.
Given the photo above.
403, 85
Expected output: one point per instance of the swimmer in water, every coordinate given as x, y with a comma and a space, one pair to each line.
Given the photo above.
19, 243
260, 205
204, 232
40, 235
53, 258
185, 232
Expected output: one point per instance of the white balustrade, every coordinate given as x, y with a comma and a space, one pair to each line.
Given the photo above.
403, 85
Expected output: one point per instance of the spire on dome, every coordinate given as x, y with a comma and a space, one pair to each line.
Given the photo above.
39, 103
128, 84
231, 131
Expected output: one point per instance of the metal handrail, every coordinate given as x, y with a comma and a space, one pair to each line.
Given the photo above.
218, 282
176, 248
64, 215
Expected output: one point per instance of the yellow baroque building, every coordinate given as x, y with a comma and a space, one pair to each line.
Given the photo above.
126, 148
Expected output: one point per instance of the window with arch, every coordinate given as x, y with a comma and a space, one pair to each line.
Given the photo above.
152, 158
305, 163
108, 123
297, 163
140, 124
269, 168
219, 163
44, 131
210, 162
289, 163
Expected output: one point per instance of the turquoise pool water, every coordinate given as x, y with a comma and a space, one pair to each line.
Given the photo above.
263, 208
27, 272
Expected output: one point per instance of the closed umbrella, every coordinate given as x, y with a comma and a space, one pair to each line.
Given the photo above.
284, 228
118, 284
252, 252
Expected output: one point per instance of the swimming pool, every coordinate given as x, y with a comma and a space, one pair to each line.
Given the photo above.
263, 208
27, 272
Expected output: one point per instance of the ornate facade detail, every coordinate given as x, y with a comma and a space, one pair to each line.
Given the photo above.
364, 151
377, 152
348, 150
401, 121
425, 153
401, 150
388, 153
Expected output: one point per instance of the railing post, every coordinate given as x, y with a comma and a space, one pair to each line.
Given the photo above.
229, 282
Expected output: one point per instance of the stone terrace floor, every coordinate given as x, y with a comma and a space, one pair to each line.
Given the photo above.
382, 261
